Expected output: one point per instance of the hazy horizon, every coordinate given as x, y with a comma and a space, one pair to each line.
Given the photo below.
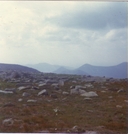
67, 33
73, 67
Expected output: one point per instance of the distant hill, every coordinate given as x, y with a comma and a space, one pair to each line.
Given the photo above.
45, 67
15, 67
117, 71
63, 70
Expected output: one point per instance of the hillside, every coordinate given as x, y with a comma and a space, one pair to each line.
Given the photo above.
117, 71
44, 67
63, 70
15, 67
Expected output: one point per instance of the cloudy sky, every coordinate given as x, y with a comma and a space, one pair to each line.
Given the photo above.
69, 33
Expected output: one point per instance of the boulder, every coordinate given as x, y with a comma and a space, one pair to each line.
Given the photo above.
77, 90
74, 91
25, 94
65, 93
10, 89
89, 94
120, 90
55, 84
31, 100
79, 86
6, 92
23, 88
89, 85
61, 83
43, 92
9, 104
8, 122
35, 88
42, 84
54, 96
20, 100
82, 91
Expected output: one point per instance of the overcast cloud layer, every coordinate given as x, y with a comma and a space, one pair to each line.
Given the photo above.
64, 33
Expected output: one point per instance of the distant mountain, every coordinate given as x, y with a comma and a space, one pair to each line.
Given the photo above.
45, 67
117, 71
15, 67
63, 70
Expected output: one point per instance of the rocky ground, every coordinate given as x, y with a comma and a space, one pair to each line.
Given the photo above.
38, 102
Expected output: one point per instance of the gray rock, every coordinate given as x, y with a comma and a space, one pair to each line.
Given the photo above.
53, 96
55, 84
43, 92
20, 99
126, 101
82, 91
6, 92
9, 104
35, 88
65, 93
8, 122
120, 90
31, 100
61, 83
74, 91
89, 85
25, 94
89, 94
42, 84
22, 88
10, 89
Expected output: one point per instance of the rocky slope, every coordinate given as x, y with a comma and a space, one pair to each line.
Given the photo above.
46, 102
15, 67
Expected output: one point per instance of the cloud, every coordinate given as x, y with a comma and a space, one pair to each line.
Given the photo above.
101, 16
65, 33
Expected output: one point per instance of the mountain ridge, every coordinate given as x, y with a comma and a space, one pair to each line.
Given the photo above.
116, 71
16, 67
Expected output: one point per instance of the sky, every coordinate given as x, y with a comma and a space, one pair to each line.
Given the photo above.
68, 33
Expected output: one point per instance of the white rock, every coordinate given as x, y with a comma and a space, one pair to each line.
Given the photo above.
87, 98
55, 110
42, 92
90, 132
126, 101
25, 94
8, 122
31, 100
20, 99
89, 94
6, 92
82, 91
73, 81
21, 88
74, 91
42, 84
54, 84
65, 93
121, 90
103, 91
89, 85
61, 83
118, 106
